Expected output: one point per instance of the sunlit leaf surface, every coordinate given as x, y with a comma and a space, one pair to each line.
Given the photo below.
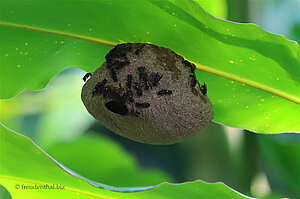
252, 75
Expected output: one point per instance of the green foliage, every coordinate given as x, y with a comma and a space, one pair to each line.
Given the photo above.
45, 37
282, 156
120, 171
216, 8
252, 78
25, 164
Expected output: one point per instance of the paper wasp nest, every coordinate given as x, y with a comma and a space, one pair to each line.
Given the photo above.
148, 94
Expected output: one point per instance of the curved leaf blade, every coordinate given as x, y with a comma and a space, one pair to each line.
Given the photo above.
242, 53
25, 164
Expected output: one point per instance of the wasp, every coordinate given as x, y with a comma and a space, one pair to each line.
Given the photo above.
113, 75
100, 88
134, 113
142, 105
155, 78
143, 76
86, 76
164, 92
128, 95
193, 80
138, 89
203, 88
118, 65
129, 81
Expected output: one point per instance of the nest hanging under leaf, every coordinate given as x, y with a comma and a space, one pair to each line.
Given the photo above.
148, 94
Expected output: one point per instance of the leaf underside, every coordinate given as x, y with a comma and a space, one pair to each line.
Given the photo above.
252, 75
27, 165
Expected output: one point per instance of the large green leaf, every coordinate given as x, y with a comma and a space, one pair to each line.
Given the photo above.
120, 170
25, 164
252, 75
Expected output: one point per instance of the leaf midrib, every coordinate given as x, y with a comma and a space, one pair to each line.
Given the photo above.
66, 188
208, 69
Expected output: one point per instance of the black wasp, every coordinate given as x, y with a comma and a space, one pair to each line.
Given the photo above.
154, 80
113, 75
86, 76
129, 81
203, 88
193, 80
142, 105
134, 113
143, 76
100, 88
164, 92
138, 89
128, 95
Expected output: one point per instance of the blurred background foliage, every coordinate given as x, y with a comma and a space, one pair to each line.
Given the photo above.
265, 166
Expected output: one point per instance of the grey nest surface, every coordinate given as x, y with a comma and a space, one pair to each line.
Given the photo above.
148, 94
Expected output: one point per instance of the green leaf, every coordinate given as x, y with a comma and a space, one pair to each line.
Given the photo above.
121, 170
43, 38
281, 155
25, 164
217, 8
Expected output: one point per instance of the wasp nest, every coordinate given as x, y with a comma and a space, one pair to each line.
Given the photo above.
148, 94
